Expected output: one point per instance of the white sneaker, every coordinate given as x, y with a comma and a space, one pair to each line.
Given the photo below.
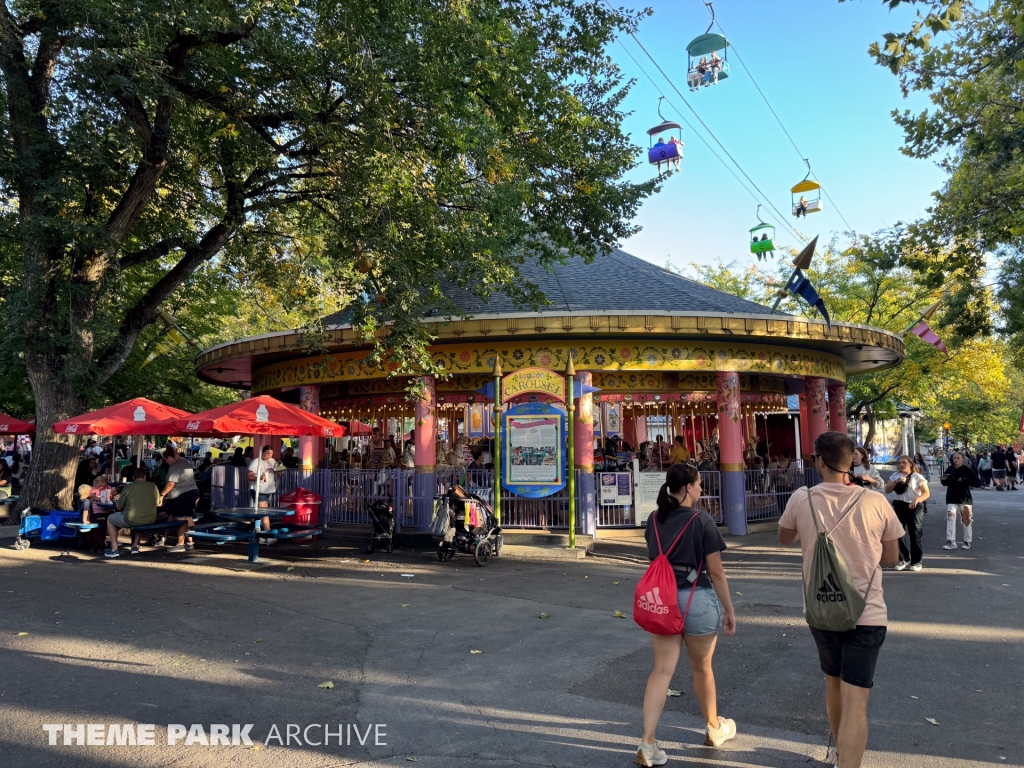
650, 755
966, 545
901, 565
716, 737
916, 567
949, 545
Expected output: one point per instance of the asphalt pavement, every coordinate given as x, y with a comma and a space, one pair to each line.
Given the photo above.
448, 664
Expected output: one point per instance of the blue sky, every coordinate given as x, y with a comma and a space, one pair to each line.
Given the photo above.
810, 59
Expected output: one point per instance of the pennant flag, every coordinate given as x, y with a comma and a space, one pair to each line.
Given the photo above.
923, 330
170, 339
802, 287
172, 336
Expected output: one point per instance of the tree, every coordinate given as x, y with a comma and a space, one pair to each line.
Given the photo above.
976, 85
410, 141
868, 282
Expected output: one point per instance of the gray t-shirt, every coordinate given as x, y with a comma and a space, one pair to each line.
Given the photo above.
183, 477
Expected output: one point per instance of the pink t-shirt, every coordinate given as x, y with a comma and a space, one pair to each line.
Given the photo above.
859, 538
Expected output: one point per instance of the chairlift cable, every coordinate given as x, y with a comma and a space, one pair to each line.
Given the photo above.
782, 220
778, 119
710, 132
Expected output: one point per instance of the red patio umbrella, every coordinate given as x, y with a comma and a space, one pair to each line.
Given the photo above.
137, 416
12, 426
356, 427
261, 415
258, 416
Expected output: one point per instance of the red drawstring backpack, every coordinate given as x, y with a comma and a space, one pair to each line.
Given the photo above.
656, 602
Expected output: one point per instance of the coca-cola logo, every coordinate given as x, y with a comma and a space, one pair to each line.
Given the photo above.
4, 427
71, 429
328, 431
192, 425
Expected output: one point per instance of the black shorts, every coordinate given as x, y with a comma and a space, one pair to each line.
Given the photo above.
270, 499
851, 655
183, 505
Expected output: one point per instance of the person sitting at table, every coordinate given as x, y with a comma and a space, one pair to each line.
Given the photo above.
264, 472
289, 459
137, 505
101, 495
180, 494
237, 460
87, 469
6, 480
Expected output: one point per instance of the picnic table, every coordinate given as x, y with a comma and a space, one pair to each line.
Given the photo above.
244, 525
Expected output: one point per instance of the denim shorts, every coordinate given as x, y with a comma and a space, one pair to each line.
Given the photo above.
705, 616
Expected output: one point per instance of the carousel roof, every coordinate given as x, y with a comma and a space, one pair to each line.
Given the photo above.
618, 282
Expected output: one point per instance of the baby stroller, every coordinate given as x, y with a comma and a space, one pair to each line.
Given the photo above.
382, 528
465, 523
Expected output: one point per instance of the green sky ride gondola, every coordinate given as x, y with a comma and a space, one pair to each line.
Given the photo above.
762, 238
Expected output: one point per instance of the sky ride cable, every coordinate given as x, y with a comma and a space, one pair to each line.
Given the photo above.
783, 222
712, 133
778, 119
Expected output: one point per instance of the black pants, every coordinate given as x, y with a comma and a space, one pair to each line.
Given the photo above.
913, 521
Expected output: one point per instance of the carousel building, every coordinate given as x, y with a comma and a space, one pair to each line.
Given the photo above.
667, 355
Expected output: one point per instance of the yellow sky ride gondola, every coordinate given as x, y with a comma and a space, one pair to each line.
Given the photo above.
804, 204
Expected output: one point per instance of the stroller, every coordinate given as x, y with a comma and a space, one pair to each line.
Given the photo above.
465, 523
382, 528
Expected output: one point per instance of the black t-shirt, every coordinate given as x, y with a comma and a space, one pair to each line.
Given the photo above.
701, 539
998, 460
958, 482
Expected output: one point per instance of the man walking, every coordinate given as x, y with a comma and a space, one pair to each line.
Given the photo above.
999, 468
865, 532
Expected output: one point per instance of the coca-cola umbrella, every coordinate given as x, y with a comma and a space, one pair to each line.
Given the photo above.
261, 415
12, 426
137, 416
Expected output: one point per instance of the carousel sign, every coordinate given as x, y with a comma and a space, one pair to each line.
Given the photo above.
533, 381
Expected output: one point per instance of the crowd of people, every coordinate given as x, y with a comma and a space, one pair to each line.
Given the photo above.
868, 522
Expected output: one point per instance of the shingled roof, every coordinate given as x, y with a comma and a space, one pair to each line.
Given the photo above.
618, 282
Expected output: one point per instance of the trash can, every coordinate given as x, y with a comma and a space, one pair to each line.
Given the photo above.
307, 508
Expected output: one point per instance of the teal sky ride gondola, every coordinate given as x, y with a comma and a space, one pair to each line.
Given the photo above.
706, 65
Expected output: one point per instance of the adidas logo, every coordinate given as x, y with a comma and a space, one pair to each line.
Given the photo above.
652, 602
829, 592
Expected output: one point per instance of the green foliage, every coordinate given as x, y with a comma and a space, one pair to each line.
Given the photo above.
171, 155
975, 80
976, 388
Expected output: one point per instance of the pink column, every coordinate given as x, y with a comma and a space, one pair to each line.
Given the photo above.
424, 481
583, 432
837, 407
311, 449
817, 409
730, 427
806, 444
583, 425
730, 447
639, 427
426, 428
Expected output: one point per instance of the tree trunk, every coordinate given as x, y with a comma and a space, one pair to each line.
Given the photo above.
869, 438
51, 476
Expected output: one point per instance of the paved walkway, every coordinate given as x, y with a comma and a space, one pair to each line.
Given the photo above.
158, 639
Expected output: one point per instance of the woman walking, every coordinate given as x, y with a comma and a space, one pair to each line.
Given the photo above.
912, 492
697, 563
866, 475
959, 479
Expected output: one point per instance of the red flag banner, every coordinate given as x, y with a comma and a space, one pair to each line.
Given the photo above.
925, 332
